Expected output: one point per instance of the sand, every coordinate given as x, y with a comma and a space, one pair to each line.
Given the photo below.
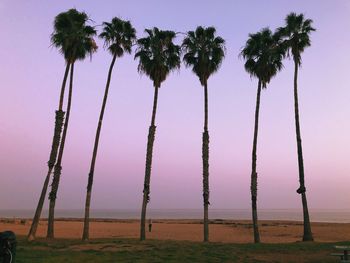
191, 230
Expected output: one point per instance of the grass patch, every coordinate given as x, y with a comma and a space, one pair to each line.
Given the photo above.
132, 250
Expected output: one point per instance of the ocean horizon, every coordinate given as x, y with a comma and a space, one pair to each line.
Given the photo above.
316, 215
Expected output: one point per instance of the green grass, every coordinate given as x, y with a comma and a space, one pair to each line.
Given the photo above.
132, 250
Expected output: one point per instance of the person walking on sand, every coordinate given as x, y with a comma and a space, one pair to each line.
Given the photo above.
150, 225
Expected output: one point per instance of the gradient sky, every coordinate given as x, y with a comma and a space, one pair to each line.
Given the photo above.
31, 73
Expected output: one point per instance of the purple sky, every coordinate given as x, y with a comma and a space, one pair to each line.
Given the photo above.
31, 73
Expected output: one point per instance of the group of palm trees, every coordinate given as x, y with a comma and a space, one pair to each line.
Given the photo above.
264, 53
203, 51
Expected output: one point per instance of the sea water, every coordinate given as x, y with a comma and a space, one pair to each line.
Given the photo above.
317, 215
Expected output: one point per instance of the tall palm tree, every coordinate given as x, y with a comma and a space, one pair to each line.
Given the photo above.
119, 36
296, 34
78, 41
204, 52
158, 56
62, 39
263, 56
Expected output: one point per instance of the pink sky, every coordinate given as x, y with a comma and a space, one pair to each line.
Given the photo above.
31, 73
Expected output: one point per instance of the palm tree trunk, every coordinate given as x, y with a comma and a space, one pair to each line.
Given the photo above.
58, 167
53, 154
302, 190
146, 186
205, 158
254, 175
94, 154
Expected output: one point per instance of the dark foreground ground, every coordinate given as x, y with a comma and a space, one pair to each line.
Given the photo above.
132, 250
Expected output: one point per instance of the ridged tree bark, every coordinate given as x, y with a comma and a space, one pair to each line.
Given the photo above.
146, 186
58, 167
94, 154
205, 159
254, 175
302, 190
53, 155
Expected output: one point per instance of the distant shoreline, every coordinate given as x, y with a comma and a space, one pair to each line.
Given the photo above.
320, 215
218, 221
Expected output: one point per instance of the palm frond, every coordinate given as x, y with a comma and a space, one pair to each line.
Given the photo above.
204, 52
296, 34
263, 54
157, 54
72, 36
119, 36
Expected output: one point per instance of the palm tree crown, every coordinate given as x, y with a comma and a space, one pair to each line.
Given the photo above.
263, 55
158, 55
296, 34
204, 52
72, 36
118, 36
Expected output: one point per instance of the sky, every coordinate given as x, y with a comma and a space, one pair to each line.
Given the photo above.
31, 73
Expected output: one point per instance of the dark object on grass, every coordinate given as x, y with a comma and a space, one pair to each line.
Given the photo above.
8, 245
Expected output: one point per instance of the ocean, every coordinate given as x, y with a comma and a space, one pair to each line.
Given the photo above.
319, 215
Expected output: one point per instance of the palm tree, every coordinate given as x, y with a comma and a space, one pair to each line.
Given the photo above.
119, 36
204, 52
60, 39
158, 56
296, 34
77, 40
263, 56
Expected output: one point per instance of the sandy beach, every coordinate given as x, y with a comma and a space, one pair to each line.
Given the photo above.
191, 230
